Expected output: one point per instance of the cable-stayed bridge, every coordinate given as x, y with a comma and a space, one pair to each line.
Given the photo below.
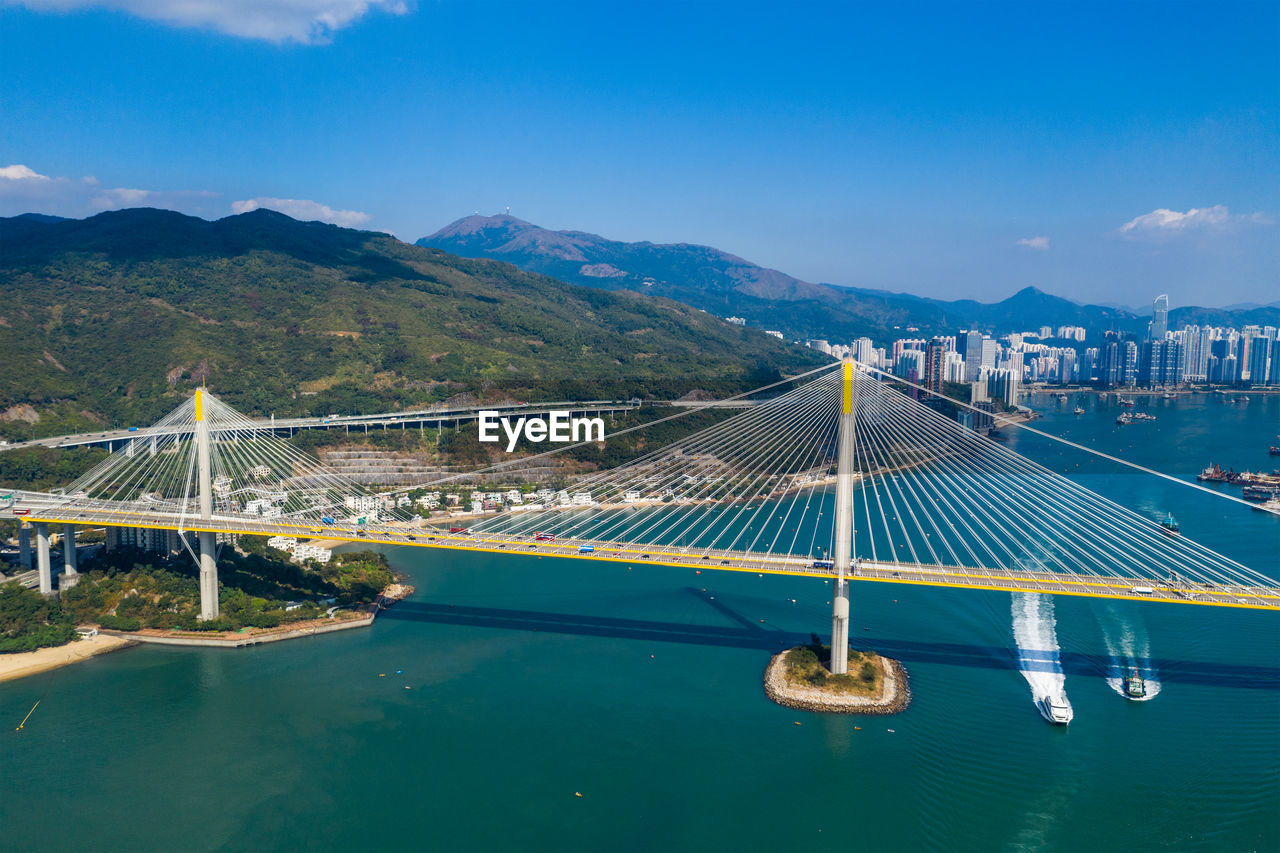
842, 477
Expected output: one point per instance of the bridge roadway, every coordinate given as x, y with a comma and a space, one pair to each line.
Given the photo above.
41, 508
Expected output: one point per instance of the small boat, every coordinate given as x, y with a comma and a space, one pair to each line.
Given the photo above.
1058, 713
1169, 524
1124, 419
1126, 403
1275, 451
1135, 686
1080, 411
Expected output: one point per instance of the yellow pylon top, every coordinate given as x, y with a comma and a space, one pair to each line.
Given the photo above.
848, 386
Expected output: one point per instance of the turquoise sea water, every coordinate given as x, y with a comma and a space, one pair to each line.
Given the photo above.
532, 679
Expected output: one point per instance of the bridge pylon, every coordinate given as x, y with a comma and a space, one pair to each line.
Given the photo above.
207, 540
842, 547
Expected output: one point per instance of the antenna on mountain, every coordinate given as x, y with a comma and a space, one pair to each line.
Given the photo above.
508, 210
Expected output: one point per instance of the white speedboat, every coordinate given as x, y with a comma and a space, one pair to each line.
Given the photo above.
1057, 712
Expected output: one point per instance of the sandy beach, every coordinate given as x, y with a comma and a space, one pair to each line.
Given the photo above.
22, 664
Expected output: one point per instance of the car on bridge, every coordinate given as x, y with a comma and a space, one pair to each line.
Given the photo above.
544, 537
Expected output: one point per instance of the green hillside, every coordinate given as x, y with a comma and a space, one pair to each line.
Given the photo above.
111, 319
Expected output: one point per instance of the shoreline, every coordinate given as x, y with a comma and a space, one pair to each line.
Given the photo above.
18, 665
253, 637
895, 698
22, 664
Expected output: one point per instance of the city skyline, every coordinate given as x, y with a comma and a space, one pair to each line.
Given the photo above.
880, 150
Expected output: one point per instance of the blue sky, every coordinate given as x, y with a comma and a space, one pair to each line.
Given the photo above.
1105, 152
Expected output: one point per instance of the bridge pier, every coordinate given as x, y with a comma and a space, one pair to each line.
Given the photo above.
840, 627
207, 543
42, 558
69, 566
208, 576
24, 546
842, 547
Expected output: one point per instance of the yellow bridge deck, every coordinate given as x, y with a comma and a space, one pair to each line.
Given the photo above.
637, 554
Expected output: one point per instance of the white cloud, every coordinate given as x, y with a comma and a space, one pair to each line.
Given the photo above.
24, 190
19, 172
120, 197
1041, 243
304, 209
1164, 223
304, 21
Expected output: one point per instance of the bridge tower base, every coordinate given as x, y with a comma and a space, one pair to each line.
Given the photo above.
840, 627
842, 547
42, 558
207, 541
208, 576
24, 546
70, 565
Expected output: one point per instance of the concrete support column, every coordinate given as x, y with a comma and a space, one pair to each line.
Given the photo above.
113, 539
208, 576
840, 627
208, 545
842, 547
24, 546
69, 549
42, 557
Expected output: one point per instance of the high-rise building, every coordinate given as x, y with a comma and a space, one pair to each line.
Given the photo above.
931, 376
1273, 377
990, 353
1259, 357
1129, 363
1067, 366
972, 355
864, 351
952, 367
1111, 364
1159, 318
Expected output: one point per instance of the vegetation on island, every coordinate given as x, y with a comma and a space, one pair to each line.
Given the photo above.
808, 665
126, 589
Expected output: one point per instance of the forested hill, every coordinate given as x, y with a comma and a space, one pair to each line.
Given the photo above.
111, 319
727, 285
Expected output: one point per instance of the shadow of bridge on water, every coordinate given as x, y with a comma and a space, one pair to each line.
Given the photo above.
751, 635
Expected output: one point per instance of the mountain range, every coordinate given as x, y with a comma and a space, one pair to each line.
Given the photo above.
728, 285
111, 319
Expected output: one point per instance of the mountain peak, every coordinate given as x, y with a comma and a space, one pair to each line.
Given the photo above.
477, 223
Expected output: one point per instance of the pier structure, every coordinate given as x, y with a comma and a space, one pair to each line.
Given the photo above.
70, 573
24, 546
207, 539
842, 545
43, 566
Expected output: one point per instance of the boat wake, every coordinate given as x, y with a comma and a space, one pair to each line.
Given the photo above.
1035, 633
1129, 649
